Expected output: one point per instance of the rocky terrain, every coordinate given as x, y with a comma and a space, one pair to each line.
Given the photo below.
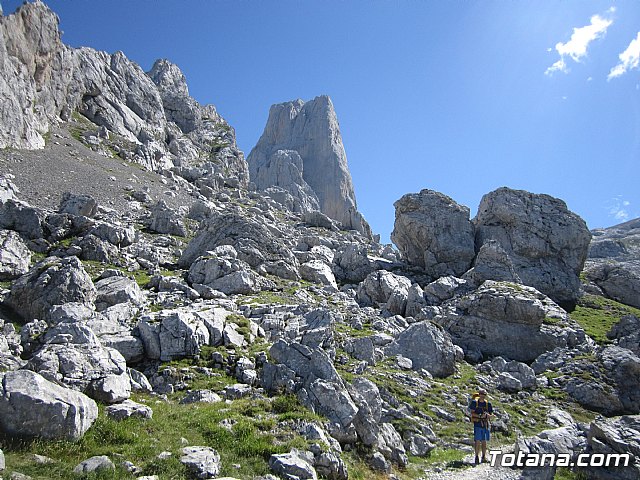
170, 310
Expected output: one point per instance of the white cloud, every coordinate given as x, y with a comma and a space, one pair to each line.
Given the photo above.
576, 47
629, 59
619, 209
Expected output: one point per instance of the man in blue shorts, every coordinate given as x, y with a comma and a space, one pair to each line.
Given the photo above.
481, 411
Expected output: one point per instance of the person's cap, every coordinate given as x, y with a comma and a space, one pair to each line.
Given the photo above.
482, 391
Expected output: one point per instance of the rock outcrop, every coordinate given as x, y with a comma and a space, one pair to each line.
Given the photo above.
510, 320
433, 232
308, 132
614, 262
31, 406
546, 242
44, 81
53, 281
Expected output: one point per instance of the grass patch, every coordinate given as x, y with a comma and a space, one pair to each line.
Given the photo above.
95, 269
596, 315
245, 433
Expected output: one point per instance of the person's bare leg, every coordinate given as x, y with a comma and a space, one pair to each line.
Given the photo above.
484, 451
477, 448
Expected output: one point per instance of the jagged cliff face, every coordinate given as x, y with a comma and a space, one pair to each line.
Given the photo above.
44, 81
311, 129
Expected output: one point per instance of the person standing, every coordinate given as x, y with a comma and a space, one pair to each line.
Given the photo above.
481, 411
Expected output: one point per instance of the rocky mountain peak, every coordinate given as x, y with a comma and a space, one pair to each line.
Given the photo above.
311, 129
168, 77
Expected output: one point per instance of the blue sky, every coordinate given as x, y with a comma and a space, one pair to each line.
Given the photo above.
457, 96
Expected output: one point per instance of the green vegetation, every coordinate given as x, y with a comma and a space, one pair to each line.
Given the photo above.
95, 269
596, 315
245, 432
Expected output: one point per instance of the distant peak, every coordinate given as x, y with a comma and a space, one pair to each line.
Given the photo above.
168, 76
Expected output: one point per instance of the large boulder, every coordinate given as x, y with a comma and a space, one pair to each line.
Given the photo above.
15, 257
604, 380
547, 243
32, 406
164, 219
78, 204
113, 326
294, 464
509, 320
614, 262
618, 436
428, 346
252, 239
226, 274
626, 333
202, 462
433, 232
178, 333
117, 289
382, 287
52, 281
311, 130
73, 356
309, 372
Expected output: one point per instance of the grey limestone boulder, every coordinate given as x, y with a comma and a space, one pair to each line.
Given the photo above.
117, 289
115, 234
15, 257
618, 280
227, 275
614, 262
492, 263
547, 243
8, 190
52, 281
310, 373
202, 462
32, 406
435, 233
311, 130
23, 218
173, 334
330, 465
78, 204
166, 220
390, 445
128, 408
626, 333
93, 464
72, 355
201, 396
428, 346
252, 239
294, 464
352, 264
380, 286
367, 421
510, 320
617, 435
444, 288
318, 272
